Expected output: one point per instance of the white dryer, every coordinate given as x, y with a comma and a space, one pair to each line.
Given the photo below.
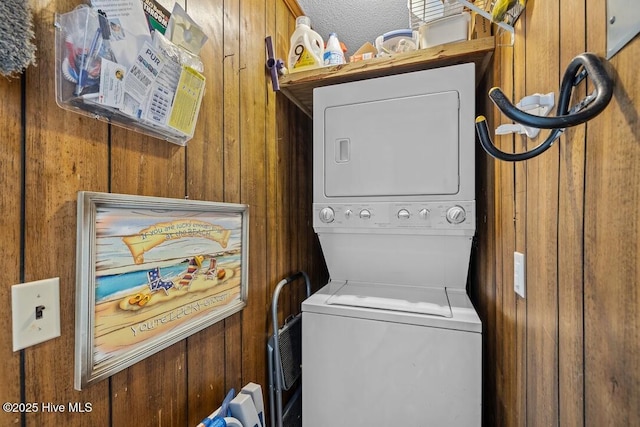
393, 338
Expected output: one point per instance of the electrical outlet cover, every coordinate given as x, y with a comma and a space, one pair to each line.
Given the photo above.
519, 274
35, 308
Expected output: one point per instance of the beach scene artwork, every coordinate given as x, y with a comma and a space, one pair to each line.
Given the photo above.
162, 272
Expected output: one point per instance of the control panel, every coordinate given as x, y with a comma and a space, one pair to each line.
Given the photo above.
434, 215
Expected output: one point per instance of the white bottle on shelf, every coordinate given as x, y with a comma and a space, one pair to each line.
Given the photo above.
333, 54
307, 47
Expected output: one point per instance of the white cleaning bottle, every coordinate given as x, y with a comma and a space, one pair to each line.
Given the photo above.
333, 54
307, 47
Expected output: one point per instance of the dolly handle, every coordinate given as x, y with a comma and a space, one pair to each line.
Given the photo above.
274, 303
274, 358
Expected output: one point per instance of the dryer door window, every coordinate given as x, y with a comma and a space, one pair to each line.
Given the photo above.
411, 148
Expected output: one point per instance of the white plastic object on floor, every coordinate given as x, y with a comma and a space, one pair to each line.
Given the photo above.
244, 410
255, 391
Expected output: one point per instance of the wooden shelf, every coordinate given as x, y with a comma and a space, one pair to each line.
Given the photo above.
299, 86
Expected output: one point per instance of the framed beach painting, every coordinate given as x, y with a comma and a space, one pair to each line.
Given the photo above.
150, 272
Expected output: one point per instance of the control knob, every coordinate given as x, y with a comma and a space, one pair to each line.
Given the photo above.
327, 215
403, 214
456, 214
424, 213
365, 214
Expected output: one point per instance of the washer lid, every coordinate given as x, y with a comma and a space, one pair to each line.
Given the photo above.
411, 299
464, 317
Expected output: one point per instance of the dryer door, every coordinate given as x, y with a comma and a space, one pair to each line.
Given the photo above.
411, 148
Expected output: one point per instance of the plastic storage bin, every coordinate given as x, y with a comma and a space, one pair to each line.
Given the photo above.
90, 80
397, 41
445, 30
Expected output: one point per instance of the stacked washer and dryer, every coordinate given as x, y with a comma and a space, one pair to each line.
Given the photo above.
393, 338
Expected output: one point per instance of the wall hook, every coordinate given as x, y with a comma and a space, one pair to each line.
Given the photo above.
275, 66
537, 104
583, 65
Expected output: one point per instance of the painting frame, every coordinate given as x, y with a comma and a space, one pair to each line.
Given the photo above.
151, 271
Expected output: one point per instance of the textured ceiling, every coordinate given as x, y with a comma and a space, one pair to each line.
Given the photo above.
356, 21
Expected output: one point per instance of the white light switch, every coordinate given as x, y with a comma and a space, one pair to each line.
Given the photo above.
35, 308
519, 274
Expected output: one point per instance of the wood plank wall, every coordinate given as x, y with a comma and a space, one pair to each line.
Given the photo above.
251, 146
569, 353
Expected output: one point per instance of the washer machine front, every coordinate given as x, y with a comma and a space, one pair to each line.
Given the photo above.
366, 366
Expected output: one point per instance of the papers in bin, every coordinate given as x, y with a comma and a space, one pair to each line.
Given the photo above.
156, 90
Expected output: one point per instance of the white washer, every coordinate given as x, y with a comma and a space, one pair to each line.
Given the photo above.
379, 367
393, 338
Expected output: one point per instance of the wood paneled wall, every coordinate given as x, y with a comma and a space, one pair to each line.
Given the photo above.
251, 146
569, 353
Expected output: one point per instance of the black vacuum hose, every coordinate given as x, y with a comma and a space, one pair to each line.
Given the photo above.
583, 65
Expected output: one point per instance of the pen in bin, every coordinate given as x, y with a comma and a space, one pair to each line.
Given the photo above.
87, 59
105, 29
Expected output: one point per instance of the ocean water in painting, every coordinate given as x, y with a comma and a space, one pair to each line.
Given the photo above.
118, 272
117, 285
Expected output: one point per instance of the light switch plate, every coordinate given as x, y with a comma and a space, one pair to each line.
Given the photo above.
519, 275
35, 309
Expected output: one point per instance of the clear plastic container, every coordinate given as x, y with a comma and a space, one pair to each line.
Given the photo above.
397, 41
445, 30
91, 83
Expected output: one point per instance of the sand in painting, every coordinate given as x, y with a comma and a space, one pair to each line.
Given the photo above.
121, 326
